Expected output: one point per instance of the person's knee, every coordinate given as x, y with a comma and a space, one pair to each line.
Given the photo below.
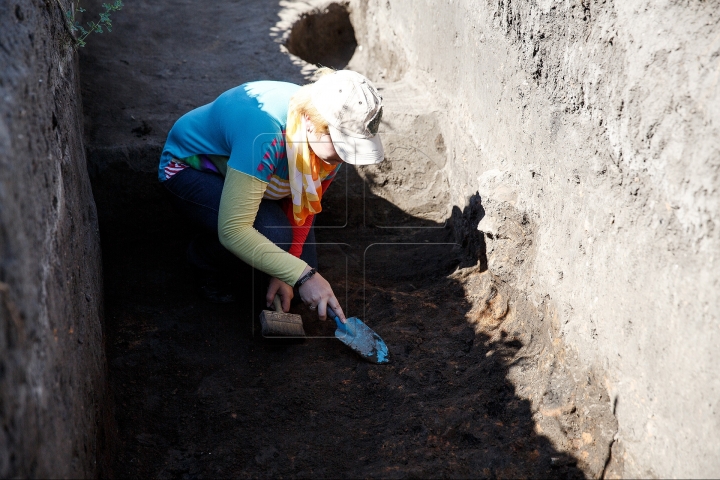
309, 254
282, 237
272, 222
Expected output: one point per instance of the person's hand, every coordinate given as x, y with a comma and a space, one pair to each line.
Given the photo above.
318, 294
283, 290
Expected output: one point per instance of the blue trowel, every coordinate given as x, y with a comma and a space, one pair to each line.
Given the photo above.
361, 338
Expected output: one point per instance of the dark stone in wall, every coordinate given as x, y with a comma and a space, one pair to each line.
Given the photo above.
54, 408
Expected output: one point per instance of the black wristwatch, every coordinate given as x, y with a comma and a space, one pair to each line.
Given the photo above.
305, 278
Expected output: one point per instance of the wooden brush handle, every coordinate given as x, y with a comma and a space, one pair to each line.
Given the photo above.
277, 304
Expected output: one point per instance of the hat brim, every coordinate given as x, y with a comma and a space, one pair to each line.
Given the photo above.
357, 151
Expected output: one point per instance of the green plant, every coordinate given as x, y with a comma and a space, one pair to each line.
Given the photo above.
104, 23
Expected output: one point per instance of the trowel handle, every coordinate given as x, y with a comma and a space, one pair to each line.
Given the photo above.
333, 316
277, 304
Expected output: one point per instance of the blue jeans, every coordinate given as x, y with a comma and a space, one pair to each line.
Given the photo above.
196, 196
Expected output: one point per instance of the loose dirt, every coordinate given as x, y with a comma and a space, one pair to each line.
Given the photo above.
200, 394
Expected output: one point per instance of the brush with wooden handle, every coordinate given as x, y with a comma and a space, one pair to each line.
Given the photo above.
279, 324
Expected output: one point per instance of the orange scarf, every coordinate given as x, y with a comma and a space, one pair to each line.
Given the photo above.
305, 170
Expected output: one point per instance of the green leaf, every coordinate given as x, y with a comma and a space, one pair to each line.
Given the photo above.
104, 21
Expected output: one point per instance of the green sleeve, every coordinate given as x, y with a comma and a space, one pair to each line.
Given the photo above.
239, 205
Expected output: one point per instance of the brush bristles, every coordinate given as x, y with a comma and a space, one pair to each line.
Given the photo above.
281, 325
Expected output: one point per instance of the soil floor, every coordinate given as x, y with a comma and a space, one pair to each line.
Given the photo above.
199, 394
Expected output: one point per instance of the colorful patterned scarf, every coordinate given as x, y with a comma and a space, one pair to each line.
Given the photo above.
305, 170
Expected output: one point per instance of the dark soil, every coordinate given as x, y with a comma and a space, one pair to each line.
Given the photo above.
200, 395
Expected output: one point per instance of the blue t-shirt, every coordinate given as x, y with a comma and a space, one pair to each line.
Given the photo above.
246, 124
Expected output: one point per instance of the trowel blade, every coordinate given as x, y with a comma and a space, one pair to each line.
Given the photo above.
361, 338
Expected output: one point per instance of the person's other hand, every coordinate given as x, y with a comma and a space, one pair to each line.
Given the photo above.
283, 290
318, 294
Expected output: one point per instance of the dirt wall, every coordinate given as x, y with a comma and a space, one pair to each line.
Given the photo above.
53, 405
596, 122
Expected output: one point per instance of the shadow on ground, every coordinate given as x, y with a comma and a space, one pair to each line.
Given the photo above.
198, 395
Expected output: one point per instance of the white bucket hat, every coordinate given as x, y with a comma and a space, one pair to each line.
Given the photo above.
353, 109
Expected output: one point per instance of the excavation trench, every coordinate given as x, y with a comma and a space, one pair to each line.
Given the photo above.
474, 387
